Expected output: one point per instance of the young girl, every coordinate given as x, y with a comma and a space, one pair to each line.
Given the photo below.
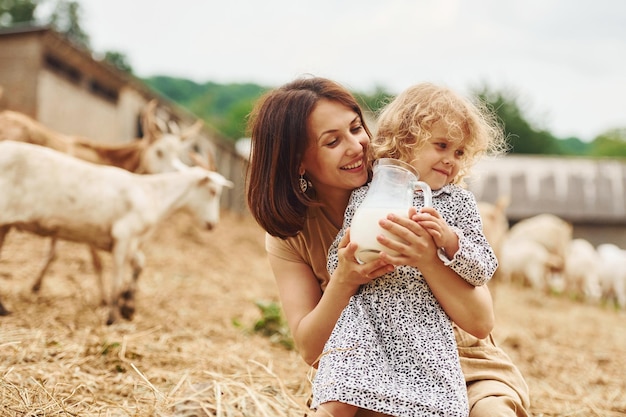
393, 349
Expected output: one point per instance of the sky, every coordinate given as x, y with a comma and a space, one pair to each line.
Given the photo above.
564, 60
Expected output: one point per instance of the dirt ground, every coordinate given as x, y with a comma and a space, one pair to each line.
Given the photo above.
190, 349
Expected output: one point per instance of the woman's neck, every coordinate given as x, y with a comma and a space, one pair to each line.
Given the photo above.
334, 205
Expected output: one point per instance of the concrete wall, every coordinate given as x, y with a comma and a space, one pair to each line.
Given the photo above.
20, 58
589, 193
67, 107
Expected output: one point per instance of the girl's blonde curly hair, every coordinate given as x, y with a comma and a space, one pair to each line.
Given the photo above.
405, 125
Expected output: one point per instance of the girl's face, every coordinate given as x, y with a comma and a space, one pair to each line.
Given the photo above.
335, 157
439, 160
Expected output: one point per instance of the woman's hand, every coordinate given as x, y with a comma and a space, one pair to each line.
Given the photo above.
312, 314
350, 272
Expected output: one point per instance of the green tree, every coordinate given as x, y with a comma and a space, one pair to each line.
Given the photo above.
224, 107
235, 123
574, 146
179, 90
14, 12
374, 101
118, 60
66, 19
523, 137
611, 144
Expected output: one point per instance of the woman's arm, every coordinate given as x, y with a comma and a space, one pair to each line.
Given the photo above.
470, 307
312, 314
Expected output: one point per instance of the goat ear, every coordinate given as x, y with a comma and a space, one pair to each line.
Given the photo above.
219, 179
211, 160
150, 124
208, 164
192, 130
197, 160
173, 128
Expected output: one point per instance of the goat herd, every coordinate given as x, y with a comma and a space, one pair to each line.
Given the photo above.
71, 188
540, 252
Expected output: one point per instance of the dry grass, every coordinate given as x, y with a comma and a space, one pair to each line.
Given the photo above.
190, 350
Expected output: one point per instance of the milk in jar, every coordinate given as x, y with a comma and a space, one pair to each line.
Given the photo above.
365, 228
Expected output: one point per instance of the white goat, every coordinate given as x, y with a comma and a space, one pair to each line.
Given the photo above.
582, 271
534, 250
52, 194
613, 274
159, 150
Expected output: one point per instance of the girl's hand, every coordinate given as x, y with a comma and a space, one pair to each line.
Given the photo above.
417, 247
350, 272
442, 234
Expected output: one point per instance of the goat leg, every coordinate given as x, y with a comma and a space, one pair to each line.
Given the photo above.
127, 297
52, 254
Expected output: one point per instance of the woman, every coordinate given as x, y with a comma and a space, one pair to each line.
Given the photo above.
309, 151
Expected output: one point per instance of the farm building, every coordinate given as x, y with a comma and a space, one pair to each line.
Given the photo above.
61, 85
589, 193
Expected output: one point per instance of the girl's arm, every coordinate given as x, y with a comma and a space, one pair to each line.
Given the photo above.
312, 314
469, 306
466, 248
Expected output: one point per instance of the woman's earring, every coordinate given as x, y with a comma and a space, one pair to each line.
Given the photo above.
304, 184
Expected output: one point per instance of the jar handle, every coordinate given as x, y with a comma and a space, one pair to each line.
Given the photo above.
428, 194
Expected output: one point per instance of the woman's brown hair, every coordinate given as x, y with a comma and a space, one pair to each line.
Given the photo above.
279, 137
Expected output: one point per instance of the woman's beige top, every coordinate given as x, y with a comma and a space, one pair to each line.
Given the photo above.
309, 247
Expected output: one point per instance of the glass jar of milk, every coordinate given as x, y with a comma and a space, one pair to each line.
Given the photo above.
391, 191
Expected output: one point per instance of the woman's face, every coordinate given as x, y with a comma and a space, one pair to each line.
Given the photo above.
335, 157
